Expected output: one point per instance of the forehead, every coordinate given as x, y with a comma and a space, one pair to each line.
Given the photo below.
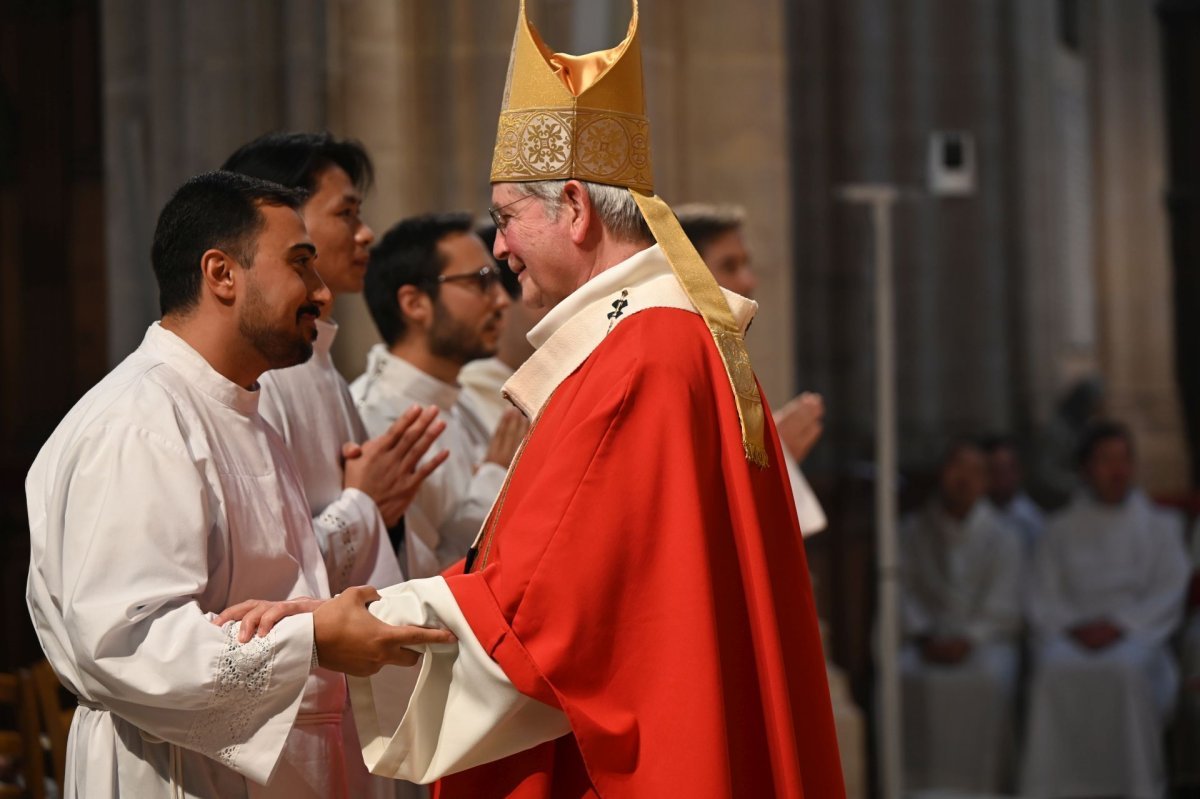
504, 193
463, 252
282, 226
333, 183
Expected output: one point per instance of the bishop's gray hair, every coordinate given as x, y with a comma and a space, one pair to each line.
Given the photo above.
614, 205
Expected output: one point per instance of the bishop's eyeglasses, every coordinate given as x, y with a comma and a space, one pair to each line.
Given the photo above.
501, 219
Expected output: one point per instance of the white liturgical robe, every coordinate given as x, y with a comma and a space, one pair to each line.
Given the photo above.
960, 578
311, 407
452, 503
482, 381
1025, 519
160, 500
1096, 718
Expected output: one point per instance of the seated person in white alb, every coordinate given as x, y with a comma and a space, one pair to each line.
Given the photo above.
435, 295
961, 611
1108, 588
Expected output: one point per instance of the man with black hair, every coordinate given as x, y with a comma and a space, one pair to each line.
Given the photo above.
310, 405
1006, 492
164, 497
436, 297
1108, 587
961, 612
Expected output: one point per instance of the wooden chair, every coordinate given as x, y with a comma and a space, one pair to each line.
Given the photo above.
55, 717
24, 742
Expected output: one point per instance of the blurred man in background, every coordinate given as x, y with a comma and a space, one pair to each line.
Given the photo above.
1108, 588
961, 612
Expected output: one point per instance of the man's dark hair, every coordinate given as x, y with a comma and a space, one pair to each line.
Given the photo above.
1098, 432
508, 279
216, 210
407, 255
703, 223
994, 442
957, 447
296, 160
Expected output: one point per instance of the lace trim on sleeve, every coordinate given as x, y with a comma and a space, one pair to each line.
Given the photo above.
243, 675
343, 549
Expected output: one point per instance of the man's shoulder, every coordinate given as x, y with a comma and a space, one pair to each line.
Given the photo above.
661, 340
143, 396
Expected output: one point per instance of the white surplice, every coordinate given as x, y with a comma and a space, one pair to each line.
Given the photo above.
1025, 519
311, 408
451, 504
1096, 718
962, 579
161, 499
482, 381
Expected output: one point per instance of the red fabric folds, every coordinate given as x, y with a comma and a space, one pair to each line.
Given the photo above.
651, 583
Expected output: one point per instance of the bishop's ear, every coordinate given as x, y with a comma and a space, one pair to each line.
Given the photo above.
216, 274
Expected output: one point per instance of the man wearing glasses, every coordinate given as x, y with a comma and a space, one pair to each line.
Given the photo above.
436, 297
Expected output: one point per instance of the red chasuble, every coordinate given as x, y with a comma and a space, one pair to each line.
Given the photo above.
646, 579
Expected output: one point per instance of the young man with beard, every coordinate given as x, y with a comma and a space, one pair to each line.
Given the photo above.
164, 497
438, 302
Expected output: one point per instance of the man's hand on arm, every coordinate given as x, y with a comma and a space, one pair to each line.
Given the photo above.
799, 424
507, 438
388, 468
348, 638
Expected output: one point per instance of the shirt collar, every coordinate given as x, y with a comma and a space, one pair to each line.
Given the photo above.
416, 385
327, 331
198, 372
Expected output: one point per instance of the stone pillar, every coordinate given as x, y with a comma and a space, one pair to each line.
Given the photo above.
1181, 49
420, 85
186, 83
1133, 267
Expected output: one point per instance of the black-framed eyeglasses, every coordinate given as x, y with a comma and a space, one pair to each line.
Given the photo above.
500, 219
487, 278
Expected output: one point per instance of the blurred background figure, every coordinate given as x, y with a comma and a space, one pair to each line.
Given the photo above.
1056, 477
961, 613
716, 231
1006, 492
1108, 590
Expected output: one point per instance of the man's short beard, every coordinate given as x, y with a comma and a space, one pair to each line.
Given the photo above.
277, 348
454, 341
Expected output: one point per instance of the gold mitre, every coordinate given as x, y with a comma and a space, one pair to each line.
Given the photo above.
566, 116
584, 118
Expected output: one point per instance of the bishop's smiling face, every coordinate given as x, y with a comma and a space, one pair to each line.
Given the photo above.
537, 247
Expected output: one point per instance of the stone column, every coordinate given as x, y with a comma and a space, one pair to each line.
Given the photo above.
419, 84
186, 83
1133, 266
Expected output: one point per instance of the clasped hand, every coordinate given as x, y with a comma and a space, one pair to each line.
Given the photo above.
349, 639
